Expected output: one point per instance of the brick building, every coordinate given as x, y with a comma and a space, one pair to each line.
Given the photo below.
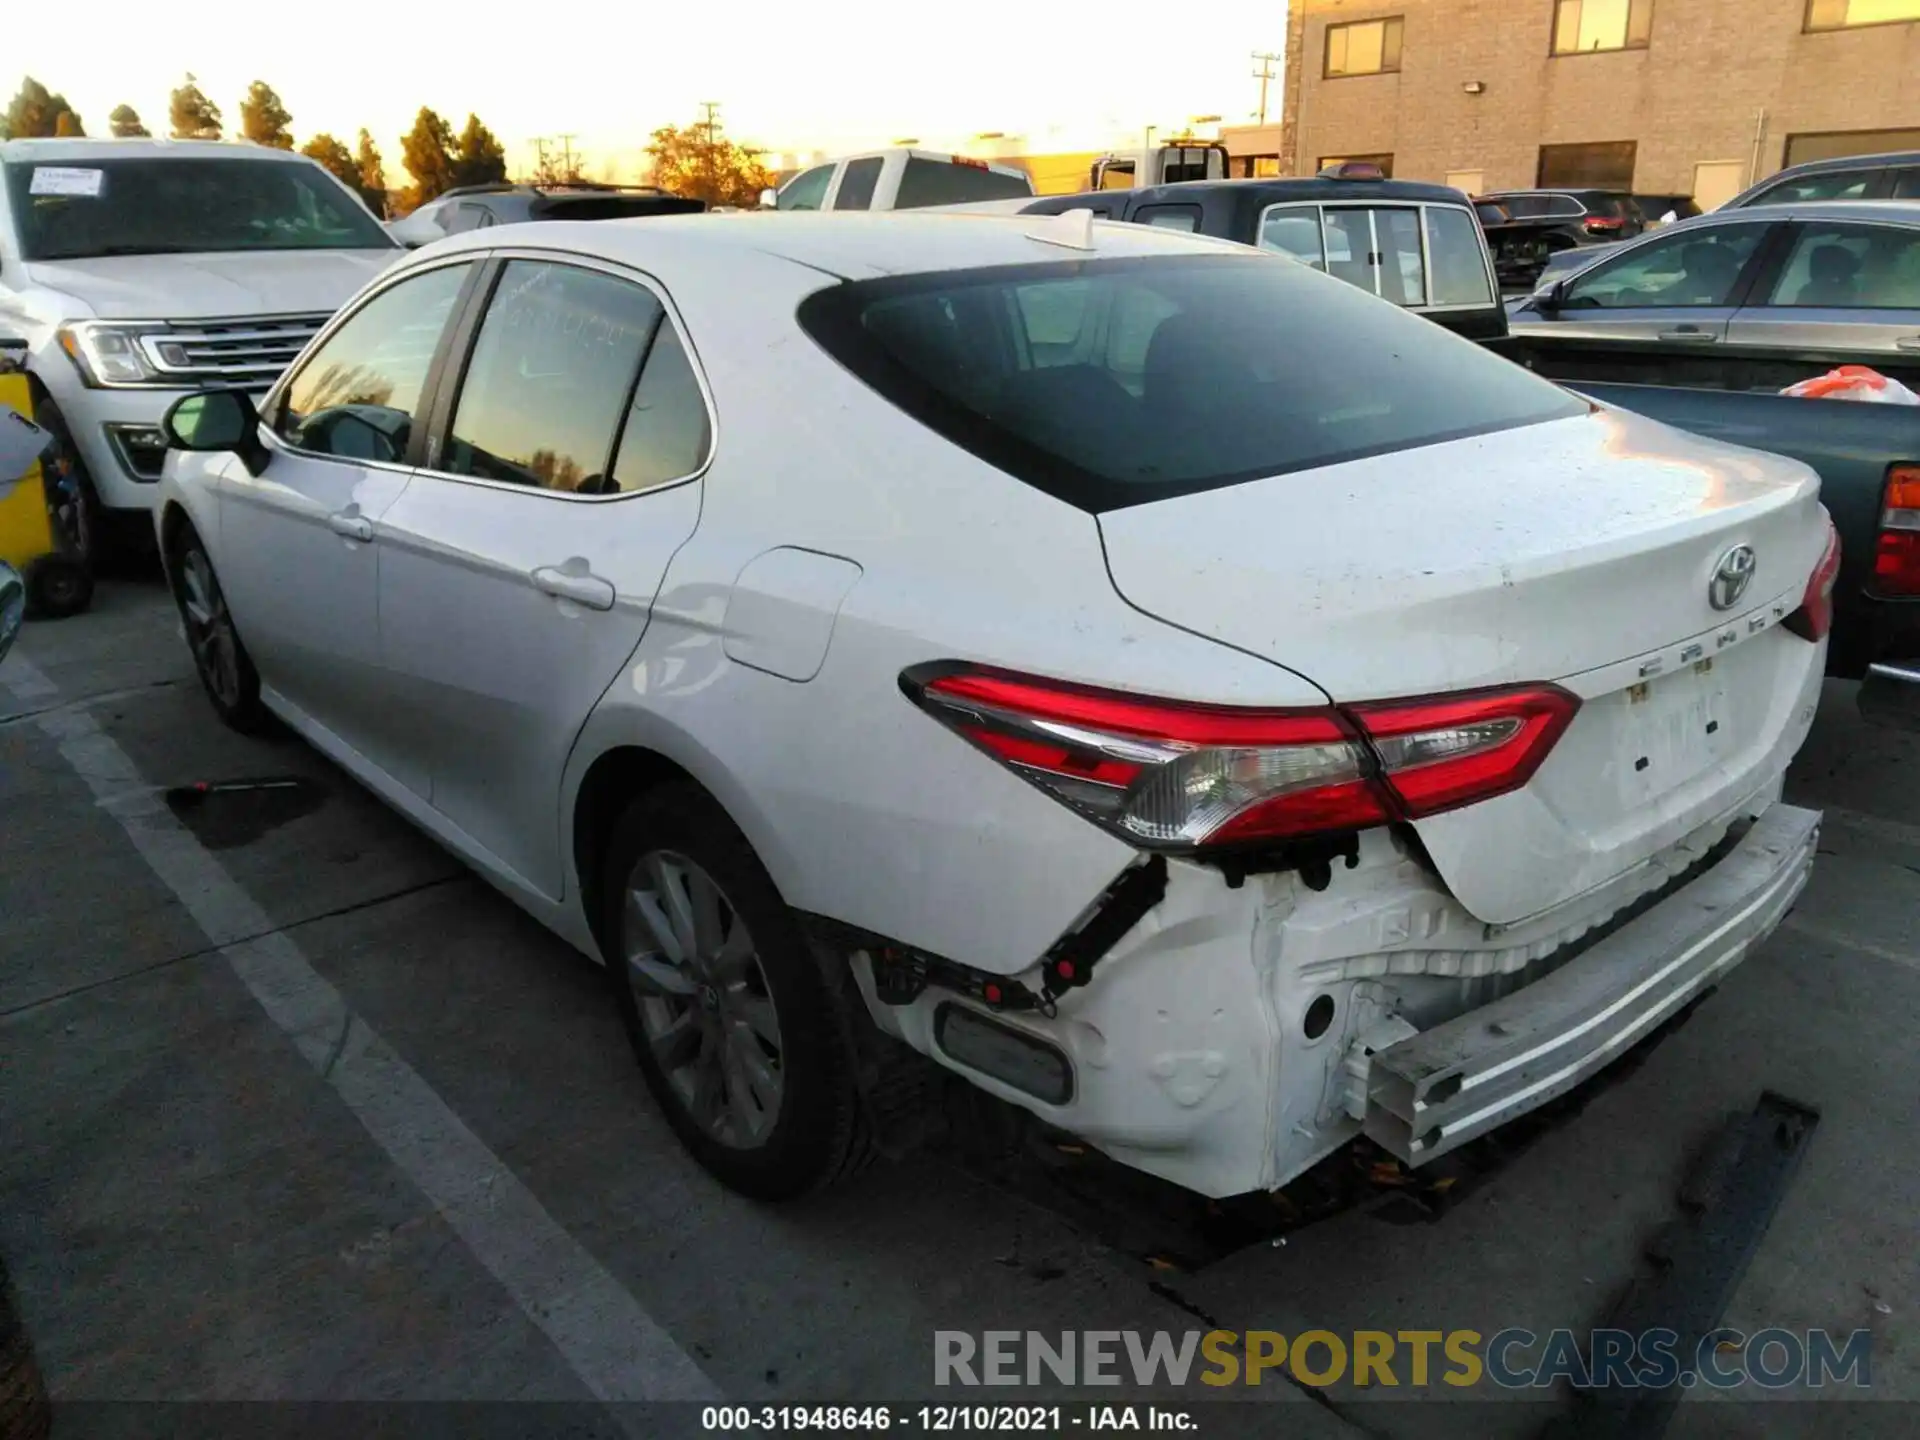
1692, 97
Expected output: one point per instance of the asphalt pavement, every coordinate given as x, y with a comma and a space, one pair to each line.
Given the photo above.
296, 1109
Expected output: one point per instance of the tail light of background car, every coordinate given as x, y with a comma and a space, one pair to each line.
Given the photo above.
1896, 556
1171, 775
1602, 224
1814, 618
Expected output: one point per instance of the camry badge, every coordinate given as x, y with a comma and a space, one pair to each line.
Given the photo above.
1731, 577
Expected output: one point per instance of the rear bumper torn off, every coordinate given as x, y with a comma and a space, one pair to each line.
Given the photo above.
1439, 1089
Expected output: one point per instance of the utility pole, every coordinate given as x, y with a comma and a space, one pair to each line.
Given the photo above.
1264, 74
568, 174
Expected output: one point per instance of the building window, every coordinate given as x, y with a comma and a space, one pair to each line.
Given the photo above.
1385, 162
1363, 47
1581, 27
1596, 165
1851, 14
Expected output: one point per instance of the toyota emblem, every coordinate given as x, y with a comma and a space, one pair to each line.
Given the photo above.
1731, 577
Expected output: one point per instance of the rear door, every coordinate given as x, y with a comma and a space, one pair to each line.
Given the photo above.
1843, 291
519, 571
1656, 313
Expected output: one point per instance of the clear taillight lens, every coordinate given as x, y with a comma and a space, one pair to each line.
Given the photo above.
1166, 774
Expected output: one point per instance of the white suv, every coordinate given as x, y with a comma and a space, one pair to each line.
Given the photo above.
1187, 696
140, 269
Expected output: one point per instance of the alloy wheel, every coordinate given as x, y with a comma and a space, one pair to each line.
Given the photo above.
210, 633
705, 1007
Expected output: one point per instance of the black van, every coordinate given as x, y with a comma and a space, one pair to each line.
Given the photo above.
1419, 246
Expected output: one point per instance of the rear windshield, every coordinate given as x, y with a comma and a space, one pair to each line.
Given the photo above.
951, 182
1110, 383
178, 205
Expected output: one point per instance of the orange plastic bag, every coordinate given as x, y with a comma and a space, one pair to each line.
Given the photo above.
1854, 382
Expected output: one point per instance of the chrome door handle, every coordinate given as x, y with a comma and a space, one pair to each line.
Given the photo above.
352, 527
582, 587
1689, 334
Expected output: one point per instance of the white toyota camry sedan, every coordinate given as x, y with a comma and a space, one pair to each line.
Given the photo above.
1192, 700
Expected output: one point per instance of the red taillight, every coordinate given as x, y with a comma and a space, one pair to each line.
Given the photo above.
1167, 774
1896, 556
1814, 618
1444, 753
1601, 224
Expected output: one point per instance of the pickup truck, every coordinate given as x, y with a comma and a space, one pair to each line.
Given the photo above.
1702, 323
899, 178
1414, 244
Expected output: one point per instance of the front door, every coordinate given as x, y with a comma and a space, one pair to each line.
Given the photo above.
298, 551
1656, 314
519, 569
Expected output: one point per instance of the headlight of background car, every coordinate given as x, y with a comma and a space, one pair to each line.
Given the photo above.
109, 353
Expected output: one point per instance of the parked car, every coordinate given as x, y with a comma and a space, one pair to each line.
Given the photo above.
1754, 300
474, 207
1110, 680
138, 270
1854, 177
900, 178
1414, 244
1544, 223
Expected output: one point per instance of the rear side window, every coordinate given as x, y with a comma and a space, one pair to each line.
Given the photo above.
1851, 267
1116, 382
1169, 217
857, 184
1906, 184
1834, 185
954, 182
549, 380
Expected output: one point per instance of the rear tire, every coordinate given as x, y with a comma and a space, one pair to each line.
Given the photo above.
58, 585
219, 657
738, 1030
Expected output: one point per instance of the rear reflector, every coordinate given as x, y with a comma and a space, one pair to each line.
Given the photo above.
1896, 556
1814, 618
1170, 775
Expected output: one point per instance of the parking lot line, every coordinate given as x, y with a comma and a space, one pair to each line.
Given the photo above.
619, 1352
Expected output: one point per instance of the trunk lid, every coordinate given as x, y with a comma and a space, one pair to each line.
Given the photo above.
1579, 551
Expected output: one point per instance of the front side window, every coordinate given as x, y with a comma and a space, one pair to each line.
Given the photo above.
1187, 373
1827, 185
1857, 267
358, 395
552, 371
857, 184
1906, 184
1363, 47
1583, 26
183, 205
807, 190
1849, 14
1692, 268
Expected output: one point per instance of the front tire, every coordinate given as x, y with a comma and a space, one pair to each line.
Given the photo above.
738, 1031
219, 658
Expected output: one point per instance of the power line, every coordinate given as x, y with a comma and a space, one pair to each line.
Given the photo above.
1264, 74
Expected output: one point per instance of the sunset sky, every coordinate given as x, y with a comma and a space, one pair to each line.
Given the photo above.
833, 75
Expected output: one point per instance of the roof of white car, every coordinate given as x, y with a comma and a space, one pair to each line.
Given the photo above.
851, 245
78, 150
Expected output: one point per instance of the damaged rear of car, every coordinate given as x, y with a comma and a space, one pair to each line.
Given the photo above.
1559, 658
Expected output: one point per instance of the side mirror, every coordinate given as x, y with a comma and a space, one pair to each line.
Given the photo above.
1550, 299
13, 606
769, 199
215, 421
